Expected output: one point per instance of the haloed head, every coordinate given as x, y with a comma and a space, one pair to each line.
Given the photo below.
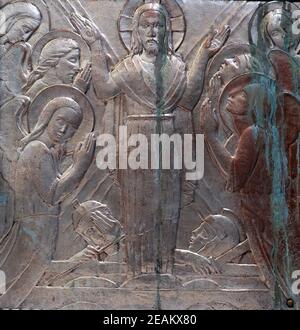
152, 30
64, 124
20, 20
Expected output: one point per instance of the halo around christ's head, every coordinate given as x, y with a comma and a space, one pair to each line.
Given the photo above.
175, 14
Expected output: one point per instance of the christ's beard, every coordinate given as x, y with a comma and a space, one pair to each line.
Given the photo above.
152, 50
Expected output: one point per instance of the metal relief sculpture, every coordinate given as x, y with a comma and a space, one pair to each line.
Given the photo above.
63, 51
39, 190
161, 68
154, 81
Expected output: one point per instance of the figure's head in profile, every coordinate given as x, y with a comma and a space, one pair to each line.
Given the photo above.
245, 99
234, 104
151, 30
233, 60
276, 29
95, 223
216, 235
234, 66
58, 122
237, 100
59, 62
18, 22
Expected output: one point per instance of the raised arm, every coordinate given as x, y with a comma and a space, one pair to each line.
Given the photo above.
105, 87
196, 72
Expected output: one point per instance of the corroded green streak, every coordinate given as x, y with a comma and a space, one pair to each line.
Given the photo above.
277, 165
160, 88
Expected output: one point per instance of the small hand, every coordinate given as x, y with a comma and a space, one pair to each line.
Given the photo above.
205, 266
216, 40
86, 28
84, 151
215, 84
208, 118
83, 79
88, 254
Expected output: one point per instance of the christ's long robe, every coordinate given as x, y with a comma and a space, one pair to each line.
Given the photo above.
150, 199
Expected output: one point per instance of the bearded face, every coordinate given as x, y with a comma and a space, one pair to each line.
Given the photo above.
152, 31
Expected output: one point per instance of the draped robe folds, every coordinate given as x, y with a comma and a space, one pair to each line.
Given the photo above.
250, 176
28, 248
14, 61
150, 199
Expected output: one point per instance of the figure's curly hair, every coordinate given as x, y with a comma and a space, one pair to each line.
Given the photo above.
50, 56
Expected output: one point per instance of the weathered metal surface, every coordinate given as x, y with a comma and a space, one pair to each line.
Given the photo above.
74, 73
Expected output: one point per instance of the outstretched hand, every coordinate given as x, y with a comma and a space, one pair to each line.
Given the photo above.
86, 28
216, 40
205, 266
83, 79
215, 85
202, 265
208, 118
84, 151
88, 254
